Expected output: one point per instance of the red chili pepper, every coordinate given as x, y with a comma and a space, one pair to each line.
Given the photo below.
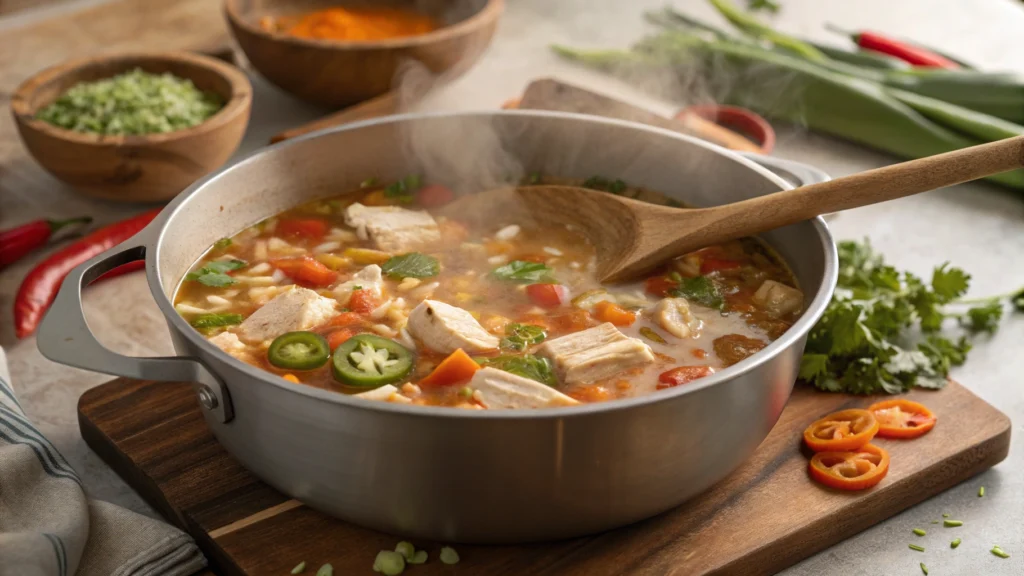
907, 52
40, 287
17, 242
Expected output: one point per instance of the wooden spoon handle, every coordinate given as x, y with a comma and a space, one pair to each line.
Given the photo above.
888, 183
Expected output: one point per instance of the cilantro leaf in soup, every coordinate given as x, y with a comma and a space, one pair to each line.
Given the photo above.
222, 243
527, 366
519, 336
405, 188
701, 290
214, 273
412, 265
215, 320
523, 272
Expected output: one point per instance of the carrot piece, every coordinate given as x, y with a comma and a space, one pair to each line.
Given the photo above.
458, 367
606, 311
338, 337
306, 271
346, 319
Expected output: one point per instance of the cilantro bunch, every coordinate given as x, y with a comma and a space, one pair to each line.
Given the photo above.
863, 342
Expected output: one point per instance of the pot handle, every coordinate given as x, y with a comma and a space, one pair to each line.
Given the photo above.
796, 173
64, 335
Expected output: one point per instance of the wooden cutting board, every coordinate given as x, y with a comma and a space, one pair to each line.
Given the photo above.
764, 517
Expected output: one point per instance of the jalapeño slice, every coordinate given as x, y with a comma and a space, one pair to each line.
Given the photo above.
299, 351
369, 361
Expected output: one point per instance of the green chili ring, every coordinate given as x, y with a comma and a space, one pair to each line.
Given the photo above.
299, 351
346, 369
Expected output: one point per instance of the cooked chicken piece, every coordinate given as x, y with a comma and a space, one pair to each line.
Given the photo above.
368, 278
229, 343
392, 229
296, 309
777, 299
497, 389
673, 314
386, 393
594, 354
445, 328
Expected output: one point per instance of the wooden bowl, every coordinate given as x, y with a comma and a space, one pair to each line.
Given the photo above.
144, 168
338, 73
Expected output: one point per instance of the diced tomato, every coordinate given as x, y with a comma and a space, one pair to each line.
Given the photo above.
312, 228
455, 369
338, 337
548, 295
363, 301
306, 271
606, 311
346, 319
683, 375
659, 286
710, 265
434, 195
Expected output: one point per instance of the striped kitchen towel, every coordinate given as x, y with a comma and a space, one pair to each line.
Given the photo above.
49, 528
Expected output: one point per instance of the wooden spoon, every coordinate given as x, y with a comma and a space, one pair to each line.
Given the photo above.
632, 237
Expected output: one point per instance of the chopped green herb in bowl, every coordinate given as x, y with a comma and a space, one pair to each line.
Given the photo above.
135, 102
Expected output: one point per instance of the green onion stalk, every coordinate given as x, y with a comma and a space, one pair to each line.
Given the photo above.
791, 88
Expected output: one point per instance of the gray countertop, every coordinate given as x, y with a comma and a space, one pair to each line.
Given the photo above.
975, 226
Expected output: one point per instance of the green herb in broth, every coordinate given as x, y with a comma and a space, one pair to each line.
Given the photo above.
213, 274
519, 336
405, 189
207, 321
412, 265
701, 290
222, 243
523, 272
527, 366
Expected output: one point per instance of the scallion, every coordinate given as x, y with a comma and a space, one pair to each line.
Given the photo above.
981, 492
916, 547
389, 563
406, 549
955, 543
924, 569
449, 555
919, 532
952, 523
419, 557
325, 570
996, 550
299, 567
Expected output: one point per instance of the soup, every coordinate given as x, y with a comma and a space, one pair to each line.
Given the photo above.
375, 293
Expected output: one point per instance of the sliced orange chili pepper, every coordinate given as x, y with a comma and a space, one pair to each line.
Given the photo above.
902, 419
858, 470
841, 431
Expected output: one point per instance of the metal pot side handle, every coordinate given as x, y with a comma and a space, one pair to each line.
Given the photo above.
796, 173
64, 335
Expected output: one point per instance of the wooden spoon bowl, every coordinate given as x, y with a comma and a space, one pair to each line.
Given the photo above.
633, 237
339, 73
144, 168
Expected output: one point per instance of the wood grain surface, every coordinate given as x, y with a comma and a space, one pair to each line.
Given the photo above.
764, 517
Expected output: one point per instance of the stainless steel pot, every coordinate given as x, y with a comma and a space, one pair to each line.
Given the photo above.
442, 473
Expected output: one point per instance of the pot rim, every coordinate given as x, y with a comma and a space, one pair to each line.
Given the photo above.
799, 329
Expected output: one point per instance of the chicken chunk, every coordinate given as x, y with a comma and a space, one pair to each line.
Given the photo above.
296, 309
501, 390
673, 314
594, 354
229, 343
392, 229
445, 328
777, 299
368, 278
